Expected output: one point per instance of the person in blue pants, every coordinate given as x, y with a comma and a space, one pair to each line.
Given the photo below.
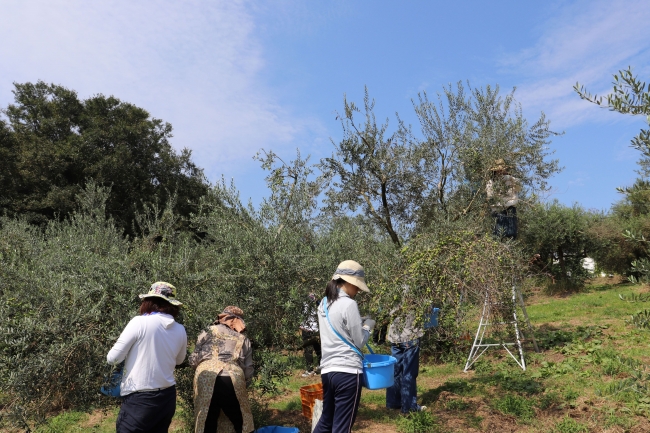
405, 347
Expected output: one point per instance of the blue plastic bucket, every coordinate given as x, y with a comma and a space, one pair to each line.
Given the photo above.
277, 429
433, 318
112, 386
378, 371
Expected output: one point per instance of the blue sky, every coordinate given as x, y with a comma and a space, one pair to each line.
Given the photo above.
236, 76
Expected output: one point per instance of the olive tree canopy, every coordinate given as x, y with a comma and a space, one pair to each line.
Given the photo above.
402, 180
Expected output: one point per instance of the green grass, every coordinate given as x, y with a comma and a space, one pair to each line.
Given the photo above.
72, 422
518, 406
288, 405
594, 305
569, 425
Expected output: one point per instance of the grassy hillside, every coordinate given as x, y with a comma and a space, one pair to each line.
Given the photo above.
590, 377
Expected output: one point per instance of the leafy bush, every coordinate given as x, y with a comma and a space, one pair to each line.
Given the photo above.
515, 405
549, 400
641, 319
569, 425
67, 292
417, 422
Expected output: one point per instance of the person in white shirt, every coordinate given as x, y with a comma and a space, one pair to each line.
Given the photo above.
151, 346
502, 193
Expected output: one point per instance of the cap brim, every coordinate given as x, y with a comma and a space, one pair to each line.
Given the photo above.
171, 301
356, 281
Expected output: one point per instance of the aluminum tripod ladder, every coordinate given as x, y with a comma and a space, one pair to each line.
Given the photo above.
478, 347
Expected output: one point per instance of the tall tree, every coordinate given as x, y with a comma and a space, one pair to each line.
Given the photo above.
62, 142
8, 165
374, 170
463, 136
402, 181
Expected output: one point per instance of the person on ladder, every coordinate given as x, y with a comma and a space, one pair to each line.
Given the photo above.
502, 192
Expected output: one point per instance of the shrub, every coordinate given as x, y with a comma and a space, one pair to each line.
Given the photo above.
67, 292
417, 422
515, 405
569, 425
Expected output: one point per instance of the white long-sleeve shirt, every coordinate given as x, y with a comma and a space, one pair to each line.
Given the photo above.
151, 347
345, 318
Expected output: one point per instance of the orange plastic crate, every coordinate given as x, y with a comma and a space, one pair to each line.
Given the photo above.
308, 395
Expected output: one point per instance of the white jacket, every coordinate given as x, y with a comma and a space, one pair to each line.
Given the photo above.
151, 347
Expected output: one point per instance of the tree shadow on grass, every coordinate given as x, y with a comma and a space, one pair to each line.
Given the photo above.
513, 382
458, 387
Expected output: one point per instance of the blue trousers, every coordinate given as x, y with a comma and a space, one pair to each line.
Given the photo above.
402, 395
341, 396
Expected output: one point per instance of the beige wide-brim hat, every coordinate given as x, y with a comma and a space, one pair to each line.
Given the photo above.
353, 273
499, 165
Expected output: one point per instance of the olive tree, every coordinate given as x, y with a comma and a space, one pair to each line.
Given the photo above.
403, 181
462, 137
374, 170
558, 238
629, 96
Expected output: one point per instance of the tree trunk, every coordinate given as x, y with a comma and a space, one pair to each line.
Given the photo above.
389, 223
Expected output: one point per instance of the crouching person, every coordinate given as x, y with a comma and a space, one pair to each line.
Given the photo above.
223, 359
151, 346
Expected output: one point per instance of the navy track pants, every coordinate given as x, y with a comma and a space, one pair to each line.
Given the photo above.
341, 396
147, 412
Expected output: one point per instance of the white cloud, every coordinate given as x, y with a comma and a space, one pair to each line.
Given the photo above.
586, 42
197, 64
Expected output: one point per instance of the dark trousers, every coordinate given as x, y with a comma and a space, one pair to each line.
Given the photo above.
224, 399
379, 334
341, 395
402, 395
149, 412
310, 344
505, 223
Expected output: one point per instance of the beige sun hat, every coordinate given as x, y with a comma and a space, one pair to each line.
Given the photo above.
353, 273
161, 289
499, 165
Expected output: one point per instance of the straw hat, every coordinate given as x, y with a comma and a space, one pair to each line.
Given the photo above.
353, 273
499, 165
161, 289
